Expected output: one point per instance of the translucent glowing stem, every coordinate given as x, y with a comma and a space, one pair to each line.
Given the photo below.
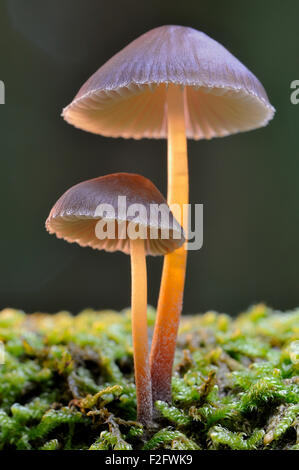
173, 277
139, 331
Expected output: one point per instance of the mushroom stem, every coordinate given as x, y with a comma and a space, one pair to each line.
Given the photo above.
173, 277
139, 331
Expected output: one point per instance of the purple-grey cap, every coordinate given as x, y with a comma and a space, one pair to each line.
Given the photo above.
126, 97
76, 215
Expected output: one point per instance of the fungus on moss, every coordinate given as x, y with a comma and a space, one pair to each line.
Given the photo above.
93, 214
172, 82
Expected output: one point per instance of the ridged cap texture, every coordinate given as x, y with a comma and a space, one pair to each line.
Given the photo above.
75, 215
126, 97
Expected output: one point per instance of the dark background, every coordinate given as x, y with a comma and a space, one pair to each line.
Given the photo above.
248, 183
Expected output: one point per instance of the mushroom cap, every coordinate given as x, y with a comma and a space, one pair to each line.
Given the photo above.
76, 214
126, 97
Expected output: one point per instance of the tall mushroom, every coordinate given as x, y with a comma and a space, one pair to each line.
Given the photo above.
93, 213
172, 82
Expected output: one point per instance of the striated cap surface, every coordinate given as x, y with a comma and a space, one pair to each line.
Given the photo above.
76, 214
126, 97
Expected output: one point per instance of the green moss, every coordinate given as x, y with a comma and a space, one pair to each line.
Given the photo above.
68, 383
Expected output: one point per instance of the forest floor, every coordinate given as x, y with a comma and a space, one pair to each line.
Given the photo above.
67, 382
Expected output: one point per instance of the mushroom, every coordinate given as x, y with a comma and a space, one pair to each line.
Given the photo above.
172, 82
94, 213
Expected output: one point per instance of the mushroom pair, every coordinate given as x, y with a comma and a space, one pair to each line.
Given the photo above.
82, 215
173, 82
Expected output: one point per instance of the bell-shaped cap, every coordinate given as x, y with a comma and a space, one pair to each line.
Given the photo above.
126, 97
106, 212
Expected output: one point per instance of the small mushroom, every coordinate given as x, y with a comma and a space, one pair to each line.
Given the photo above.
137, 230
172, 82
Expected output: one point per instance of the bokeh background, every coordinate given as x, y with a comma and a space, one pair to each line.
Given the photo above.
248, 183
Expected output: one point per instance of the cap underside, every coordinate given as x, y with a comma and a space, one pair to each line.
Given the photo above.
140, 110
83, 230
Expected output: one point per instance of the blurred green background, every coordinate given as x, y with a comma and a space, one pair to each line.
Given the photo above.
248, 183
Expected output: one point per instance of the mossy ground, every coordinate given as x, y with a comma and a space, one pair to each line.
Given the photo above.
67, 383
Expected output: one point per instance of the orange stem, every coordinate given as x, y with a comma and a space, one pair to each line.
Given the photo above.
173, 277
139, 331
